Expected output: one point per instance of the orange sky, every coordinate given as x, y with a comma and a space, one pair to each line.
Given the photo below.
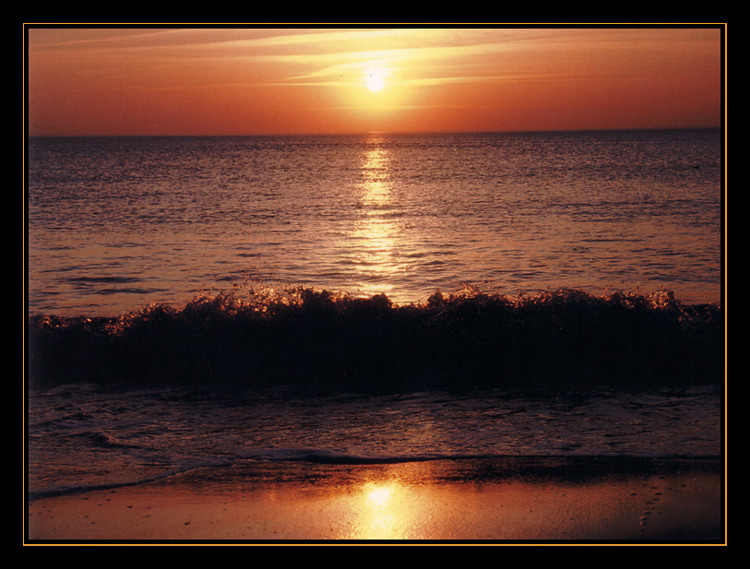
297, 80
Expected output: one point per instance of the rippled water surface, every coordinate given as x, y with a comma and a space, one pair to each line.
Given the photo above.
118, 223
84, 436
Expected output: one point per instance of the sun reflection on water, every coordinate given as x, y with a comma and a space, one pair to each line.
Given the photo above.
374, 238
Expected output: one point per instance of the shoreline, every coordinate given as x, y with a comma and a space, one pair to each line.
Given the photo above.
485, 501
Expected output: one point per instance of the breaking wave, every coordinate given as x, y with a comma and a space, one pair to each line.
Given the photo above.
333, 342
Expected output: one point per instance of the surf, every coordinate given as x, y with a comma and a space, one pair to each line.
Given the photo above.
325, 341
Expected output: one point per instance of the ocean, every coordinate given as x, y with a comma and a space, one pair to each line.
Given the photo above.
118, 223
199, 303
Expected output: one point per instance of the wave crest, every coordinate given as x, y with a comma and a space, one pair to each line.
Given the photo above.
330, 341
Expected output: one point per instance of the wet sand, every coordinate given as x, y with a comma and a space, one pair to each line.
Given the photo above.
409, 503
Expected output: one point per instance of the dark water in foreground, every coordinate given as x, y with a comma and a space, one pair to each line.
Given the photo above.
84, 437
314, 378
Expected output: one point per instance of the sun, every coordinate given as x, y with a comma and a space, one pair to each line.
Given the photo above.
376, 88
375, 79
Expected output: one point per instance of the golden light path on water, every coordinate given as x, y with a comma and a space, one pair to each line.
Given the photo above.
375, 232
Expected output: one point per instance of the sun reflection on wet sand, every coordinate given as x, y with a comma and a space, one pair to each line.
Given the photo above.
390, 502
386, 511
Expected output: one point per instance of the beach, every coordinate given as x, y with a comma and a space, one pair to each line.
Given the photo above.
417, 502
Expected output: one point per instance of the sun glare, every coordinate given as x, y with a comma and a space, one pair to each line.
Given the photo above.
380, 495
375, 79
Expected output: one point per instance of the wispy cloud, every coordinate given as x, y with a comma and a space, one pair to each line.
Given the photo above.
310, 54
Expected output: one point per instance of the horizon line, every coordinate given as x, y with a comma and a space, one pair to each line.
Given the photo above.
381, 132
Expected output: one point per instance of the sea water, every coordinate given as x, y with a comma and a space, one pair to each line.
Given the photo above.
118, 224
85, 437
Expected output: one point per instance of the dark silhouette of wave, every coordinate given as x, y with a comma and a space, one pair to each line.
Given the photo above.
330, 342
